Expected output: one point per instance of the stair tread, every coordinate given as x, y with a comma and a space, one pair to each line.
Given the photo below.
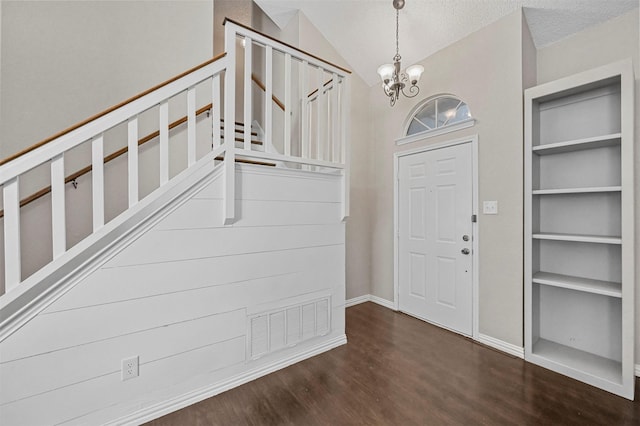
242, 140
241, 131
236, 122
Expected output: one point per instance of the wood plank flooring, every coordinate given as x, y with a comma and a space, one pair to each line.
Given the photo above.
397, 370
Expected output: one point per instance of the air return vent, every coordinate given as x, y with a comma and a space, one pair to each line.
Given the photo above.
288, 326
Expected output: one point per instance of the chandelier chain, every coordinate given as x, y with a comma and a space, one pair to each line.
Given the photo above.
397, 32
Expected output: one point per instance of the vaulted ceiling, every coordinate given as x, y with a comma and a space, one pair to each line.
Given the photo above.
363, 31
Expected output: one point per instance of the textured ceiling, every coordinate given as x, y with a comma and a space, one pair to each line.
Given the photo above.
363, 31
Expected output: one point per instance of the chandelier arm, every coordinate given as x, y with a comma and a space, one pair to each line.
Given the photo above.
413, 91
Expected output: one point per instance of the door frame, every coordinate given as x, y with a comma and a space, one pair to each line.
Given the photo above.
475, 253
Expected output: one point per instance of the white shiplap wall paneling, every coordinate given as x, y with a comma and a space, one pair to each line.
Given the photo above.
183, 297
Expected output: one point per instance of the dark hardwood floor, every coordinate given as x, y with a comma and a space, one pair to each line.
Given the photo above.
397, 370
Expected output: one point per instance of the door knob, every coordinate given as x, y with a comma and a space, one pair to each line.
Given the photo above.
465, 251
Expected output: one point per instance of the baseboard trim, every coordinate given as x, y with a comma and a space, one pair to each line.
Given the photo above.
383, 302
357, 300
171, 405
370, 298
501, 345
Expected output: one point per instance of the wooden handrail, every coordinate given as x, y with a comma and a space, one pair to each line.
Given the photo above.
44, 191
297, 49
324, 85
108, 110
261, 85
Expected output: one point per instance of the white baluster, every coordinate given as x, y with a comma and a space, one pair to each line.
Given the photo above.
335, 117
163, 112
248, 67
320, 111
216, 106
268, 107
58, 215
12, 258
97, 181
304, 107
229, 196
191, 126
132, 129
287, 104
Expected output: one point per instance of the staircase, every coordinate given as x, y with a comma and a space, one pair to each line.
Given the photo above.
224, 261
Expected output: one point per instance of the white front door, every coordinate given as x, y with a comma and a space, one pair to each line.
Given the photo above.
435, 236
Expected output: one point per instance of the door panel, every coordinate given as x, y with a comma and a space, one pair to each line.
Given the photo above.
417, 202
446, 274
435, 207
418, 268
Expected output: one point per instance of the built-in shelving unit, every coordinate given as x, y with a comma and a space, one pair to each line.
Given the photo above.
579, 259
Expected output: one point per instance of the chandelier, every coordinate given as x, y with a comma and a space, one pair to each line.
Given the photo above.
394, 80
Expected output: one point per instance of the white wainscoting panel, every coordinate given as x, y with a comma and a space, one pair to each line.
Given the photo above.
204, 306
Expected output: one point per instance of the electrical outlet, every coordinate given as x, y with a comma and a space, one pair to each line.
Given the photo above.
130, 368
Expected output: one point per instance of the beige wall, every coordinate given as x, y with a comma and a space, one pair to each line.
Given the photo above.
612, 41
58, 56
485, 70
238, 10
529, 57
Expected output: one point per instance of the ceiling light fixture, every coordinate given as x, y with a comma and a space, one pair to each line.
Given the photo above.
394, 80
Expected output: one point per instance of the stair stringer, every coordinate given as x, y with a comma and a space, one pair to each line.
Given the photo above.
44, 287
201, 319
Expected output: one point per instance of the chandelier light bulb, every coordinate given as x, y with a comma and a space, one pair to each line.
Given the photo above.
414, 72
386, 73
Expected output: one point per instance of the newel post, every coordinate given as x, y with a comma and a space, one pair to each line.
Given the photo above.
229, 125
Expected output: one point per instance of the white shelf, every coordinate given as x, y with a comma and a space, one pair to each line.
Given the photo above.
578, 238
589, 190
578, 144
605, 288
575, 359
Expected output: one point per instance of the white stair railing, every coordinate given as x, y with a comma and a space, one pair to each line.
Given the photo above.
328, 145
53, 152
330, 142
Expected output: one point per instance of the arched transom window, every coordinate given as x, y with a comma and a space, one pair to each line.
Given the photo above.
437, 113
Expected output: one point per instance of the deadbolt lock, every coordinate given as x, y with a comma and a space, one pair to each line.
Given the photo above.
465, 238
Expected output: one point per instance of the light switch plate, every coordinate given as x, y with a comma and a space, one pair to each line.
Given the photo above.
490, 207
